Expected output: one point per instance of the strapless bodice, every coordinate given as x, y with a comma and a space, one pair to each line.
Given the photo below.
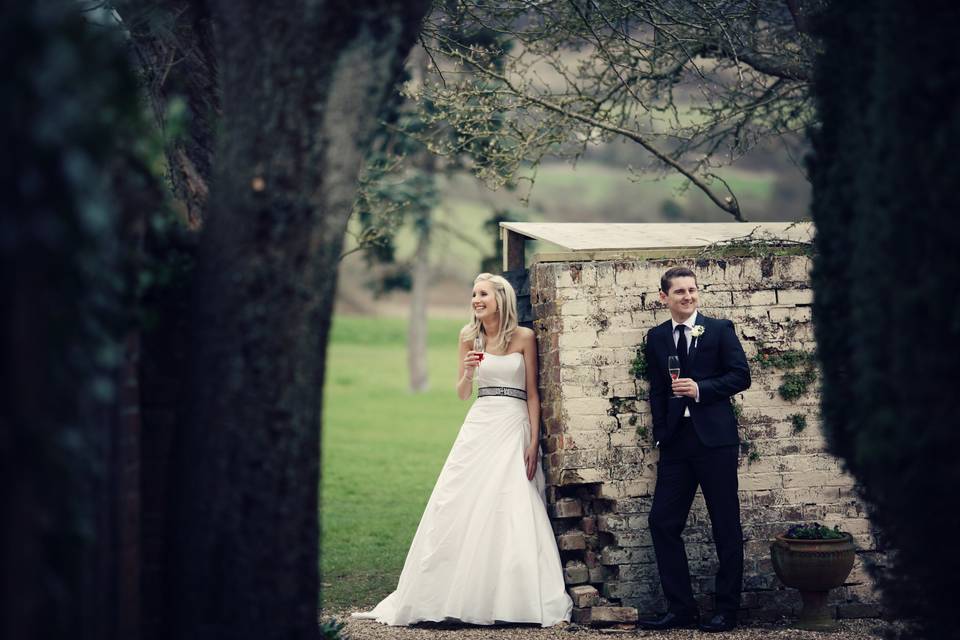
503, 371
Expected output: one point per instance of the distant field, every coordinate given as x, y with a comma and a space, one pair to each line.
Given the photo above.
382, 450
588, 191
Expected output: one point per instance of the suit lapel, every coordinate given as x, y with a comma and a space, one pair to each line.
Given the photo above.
668, 336
692, 353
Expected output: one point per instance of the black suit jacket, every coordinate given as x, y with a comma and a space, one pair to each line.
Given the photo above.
717, 364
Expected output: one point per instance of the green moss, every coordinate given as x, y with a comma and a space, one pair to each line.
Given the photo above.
632, 420
756, 246
734, 249
796, 384
799, 422
737, 409
749, 449
768, 358
643, 432
638, 368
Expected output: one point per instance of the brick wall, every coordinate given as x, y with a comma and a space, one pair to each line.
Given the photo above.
591, 318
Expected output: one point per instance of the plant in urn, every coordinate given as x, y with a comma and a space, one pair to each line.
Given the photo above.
813, 559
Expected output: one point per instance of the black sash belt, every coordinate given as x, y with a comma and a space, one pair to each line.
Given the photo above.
519, 394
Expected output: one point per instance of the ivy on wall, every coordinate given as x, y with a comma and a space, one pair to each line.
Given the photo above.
795, 383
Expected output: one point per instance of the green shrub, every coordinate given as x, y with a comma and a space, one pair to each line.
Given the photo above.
884, 175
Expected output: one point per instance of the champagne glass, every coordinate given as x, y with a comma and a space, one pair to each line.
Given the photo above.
673, 366
478, 349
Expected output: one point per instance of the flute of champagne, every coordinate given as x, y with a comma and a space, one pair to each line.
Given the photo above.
673, 366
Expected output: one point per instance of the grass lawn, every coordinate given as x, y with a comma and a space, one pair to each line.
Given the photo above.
383, 448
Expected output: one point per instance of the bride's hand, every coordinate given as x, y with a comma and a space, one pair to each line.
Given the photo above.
472, 360
530, 456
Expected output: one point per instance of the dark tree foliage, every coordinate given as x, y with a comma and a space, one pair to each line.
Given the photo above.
301, 87
887, 315
75, 186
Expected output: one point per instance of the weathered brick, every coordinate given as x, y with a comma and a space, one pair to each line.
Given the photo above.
629, 276
576, 275
794, 269
790, 314
583, 406
763, 298
566, 508
575, 572
580, 476
716, 299
644, 571
581, 615
589, 525
579, 339
584, 595
573, 459
795, 296
812, 479
613, 614
598, 574
582, 439
571, 541
580, 307
623, 338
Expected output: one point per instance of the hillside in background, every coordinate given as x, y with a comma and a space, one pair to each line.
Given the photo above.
600, 188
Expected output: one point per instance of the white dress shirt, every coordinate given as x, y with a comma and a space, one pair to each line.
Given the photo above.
687, 328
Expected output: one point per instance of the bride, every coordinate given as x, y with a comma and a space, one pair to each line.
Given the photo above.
484, 551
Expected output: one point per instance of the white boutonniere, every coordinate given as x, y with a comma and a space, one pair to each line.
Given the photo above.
697, 331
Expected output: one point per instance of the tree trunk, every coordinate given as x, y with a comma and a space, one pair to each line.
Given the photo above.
301, 89
417, 329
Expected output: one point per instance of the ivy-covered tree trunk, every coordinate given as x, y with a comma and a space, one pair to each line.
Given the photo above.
301, 87
174, 46
884, 174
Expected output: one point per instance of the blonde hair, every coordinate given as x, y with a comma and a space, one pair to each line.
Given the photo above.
506, 308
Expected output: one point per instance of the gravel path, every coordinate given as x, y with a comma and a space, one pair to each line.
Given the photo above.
371, 630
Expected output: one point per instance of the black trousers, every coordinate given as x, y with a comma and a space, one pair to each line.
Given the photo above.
684, 464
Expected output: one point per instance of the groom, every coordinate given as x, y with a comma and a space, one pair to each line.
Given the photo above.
696, 431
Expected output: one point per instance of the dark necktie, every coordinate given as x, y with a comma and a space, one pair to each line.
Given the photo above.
682, 349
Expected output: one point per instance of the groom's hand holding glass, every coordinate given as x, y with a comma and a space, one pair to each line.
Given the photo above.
685, 387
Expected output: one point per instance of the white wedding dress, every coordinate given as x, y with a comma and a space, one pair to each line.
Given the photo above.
484, 551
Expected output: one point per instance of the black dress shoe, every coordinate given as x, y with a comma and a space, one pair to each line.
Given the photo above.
669, 620
719, 622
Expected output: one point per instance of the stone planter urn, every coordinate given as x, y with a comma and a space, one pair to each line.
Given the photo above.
813, 567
